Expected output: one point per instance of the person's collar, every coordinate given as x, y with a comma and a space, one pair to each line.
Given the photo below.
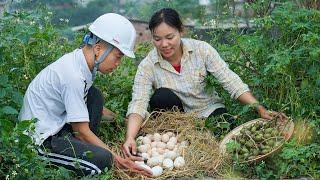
84, 65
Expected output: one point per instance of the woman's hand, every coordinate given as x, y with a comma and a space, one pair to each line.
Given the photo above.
125, 163
270, 115
129, 149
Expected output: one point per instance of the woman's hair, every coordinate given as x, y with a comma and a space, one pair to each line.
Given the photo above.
167, 15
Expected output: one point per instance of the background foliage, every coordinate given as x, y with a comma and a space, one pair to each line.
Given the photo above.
279, 59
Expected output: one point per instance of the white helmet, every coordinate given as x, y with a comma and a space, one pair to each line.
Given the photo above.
116, 30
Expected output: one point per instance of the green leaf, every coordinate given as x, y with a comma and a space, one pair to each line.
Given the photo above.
9, 110
4, 80
2, 93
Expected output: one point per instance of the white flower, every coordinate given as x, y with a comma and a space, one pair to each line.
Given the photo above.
66, 20
14, 173
61, 19
46, 18
32, 22
16, 141
50, 13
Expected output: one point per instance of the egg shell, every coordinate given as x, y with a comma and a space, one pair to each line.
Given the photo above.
155, 154
150, 136
154, 161
179, 162
146, 140
143, 148
160, 150
173, 139
146, 167
145, 155
156, 137
154, 144
184, 144
161, 145
165, 138
167, 164
170, 155
170, 145
170, 134
157, 171
139, 162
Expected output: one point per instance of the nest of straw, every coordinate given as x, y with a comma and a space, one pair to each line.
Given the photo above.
202, 156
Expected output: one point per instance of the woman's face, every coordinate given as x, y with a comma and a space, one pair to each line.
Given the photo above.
167, 40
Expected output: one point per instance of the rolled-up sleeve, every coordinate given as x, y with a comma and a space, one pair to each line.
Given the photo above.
220, 70
142, 90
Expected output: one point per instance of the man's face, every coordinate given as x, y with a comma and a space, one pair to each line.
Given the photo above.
112, 61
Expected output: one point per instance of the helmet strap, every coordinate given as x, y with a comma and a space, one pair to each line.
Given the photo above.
100, 60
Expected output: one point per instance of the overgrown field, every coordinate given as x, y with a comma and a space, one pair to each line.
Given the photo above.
279, 60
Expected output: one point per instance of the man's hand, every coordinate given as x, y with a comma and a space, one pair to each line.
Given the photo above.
108, 115
130, 165
129, 149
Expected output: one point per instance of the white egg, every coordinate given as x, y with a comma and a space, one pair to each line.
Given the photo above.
184, 144
150, 136
170, 145
139, 162
145, 155
167, 164
170, 134
146, 140
171, 155
157, 171
160, 150
154, 161
143, 148
165, 138
154, 144
161, 158
173, 139
155, 154
161, 145
146, 167
179, 162
156, 137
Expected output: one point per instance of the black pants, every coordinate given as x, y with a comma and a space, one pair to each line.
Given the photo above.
63, 149
165, 99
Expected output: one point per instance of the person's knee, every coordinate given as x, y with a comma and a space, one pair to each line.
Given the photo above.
165, 99
95, 96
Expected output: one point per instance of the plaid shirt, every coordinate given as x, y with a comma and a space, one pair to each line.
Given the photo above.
198, 59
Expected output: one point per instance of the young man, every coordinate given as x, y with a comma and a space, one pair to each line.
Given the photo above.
68, 108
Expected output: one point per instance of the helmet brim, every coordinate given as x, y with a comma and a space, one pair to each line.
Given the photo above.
130, 54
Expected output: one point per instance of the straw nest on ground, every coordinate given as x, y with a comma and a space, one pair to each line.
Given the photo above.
202, 156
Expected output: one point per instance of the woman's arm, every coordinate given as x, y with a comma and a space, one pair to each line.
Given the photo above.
133, 126
248, 98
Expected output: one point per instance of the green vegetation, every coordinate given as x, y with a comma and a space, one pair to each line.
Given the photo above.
279, 61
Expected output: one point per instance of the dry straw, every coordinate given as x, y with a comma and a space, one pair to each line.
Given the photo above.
202, 155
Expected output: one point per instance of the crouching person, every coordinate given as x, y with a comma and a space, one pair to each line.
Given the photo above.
68, 108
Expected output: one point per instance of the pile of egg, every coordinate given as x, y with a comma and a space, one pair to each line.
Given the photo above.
162, 151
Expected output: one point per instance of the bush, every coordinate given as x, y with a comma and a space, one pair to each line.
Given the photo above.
280, 62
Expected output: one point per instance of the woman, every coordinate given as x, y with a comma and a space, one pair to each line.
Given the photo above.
175, 69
